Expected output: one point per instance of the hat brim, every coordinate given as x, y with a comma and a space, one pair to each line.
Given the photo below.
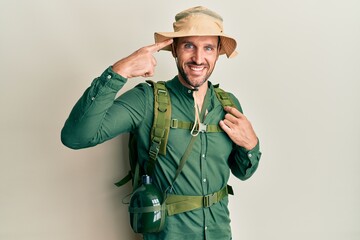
228, 44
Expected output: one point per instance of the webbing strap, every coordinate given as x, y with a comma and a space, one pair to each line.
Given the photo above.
223, 97
146, 209
175, 123
161, 123
138, 211
124, 180
131, 175
181, 203
184, 158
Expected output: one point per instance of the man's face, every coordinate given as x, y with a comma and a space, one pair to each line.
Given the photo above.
196, 58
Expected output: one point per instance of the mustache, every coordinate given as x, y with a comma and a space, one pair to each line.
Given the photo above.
198, 65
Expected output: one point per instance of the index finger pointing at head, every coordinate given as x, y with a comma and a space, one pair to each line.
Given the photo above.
159, 45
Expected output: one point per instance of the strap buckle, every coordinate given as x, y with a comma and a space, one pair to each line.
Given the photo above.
210, 200
154, 149
202, 127
174, 123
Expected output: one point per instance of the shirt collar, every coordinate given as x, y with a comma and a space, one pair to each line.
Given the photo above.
177, 86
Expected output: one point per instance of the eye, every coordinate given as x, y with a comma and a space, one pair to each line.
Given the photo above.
189, 46
209, 48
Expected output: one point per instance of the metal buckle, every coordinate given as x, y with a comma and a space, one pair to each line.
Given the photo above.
174, 123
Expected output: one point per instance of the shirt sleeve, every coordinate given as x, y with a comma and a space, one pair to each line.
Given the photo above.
243, 163
98, 116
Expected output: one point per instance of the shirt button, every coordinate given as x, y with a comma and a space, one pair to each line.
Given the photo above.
203, 155
205, 227
93, 98
204, 180
189, 91
249, 155
108, 77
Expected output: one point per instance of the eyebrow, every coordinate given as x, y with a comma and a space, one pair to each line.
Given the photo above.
206, 44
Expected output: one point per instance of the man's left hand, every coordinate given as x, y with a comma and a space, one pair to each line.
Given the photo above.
239, 128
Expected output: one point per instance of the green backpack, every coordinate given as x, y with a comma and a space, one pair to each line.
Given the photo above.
160, 131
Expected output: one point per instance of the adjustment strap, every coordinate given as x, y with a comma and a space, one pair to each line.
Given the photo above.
124, 180
175, 123
182, 203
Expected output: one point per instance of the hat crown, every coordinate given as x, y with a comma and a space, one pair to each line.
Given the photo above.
197, 10
199, 21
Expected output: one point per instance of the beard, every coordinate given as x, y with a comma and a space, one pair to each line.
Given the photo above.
186, 78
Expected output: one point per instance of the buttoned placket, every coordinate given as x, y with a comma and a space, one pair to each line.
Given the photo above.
204, 176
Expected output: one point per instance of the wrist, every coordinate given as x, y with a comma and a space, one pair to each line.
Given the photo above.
120, 69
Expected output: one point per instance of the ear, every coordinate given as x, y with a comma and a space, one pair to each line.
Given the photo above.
173, 51
219, 46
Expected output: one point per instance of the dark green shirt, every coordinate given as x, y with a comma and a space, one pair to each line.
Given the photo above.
97, 117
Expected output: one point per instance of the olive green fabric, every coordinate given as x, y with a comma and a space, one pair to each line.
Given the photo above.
176, 204
97, 117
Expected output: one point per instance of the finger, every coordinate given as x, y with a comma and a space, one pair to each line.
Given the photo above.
230, 117
149, 73
153, 61
229, 124
224, 127
159, 45
233, 111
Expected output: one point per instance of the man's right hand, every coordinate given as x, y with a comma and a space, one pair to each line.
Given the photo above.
141, 63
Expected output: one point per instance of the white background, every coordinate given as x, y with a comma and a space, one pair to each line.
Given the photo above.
297, 76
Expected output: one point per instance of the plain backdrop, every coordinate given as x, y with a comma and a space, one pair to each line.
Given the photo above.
297, 77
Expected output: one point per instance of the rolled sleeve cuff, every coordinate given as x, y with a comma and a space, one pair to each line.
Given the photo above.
112, 79
253, 154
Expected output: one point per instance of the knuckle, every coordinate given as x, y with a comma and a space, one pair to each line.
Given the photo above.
236, 121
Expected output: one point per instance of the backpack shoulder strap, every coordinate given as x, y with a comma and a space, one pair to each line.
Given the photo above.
161, 123
223, 97
159, 135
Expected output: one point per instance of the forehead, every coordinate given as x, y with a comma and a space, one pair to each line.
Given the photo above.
199, 39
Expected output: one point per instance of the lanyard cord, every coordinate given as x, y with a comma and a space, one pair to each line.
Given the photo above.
197, 117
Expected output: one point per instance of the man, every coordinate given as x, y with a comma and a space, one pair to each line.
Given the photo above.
196, 43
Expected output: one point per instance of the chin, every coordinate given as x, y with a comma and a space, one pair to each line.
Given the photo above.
198, 82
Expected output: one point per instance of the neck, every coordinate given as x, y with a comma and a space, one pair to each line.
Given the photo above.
200, 93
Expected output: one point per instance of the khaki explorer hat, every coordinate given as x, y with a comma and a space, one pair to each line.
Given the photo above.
199, 21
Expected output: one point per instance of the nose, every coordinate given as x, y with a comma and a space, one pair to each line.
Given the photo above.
198, 56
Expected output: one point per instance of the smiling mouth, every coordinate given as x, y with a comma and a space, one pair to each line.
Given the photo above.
200, 68
196, 68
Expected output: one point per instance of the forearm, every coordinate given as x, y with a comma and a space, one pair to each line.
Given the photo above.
83, 126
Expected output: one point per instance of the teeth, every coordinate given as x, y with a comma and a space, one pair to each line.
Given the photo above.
197, 68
